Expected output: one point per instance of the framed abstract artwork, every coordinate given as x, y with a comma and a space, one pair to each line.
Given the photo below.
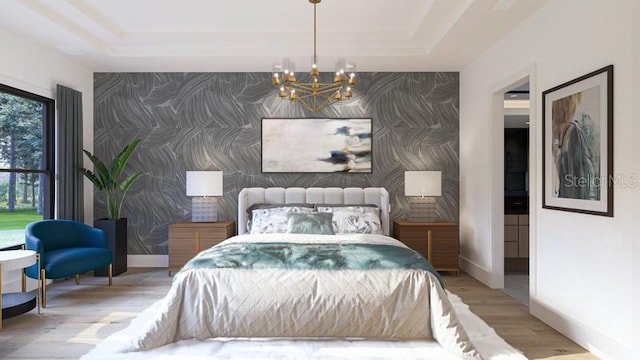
315, 145
577, 148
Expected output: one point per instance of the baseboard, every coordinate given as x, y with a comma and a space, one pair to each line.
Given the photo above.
479, 273
148, 261
599, 344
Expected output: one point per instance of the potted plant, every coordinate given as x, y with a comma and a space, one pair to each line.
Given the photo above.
115, 185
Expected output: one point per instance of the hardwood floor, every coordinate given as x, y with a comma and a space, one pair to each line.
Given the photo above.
78, 317
512, 321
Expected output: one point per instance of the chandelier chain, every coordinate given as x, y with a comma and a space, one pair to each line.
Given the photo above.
315, 35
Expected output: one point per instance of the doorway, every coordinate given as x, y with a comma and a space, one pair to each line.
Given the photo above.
516, 192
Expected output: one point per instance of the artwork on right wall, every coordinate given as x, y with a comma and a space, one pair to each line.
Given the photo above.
577, 148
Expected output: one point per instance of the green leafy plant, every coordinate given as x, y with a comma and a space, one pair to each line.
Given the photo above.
108, 179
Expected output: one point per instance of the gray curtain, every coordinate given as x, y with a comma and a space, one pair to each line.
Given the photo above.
70, 192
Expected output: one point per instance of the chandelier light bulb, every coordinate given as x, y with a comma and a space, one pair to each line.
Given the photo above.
276, 79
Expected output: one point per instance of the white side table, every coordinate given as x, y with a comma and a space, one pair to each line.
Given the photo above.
13, 304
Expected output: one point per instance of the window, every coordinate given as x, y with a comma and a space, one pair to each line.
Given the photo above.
26, 162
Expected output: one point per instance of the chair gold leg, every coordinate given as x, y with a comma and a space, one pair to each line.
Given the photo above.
43, 278
38, 294
77, 279
110, 274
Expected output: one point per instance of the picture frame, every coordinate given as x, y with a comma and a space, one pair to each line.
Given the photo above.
316, 145
577, 145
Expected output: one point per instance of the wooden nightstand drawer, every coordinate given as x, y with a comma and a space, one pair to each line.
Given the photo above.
187, 239
204, 233
444, 249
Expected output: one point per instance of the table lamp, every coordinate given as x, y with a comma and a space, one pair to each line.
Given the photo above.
421, 187
203, 186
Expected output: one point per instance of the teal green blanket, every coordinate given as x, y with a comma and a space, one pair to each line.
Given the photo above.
309, 257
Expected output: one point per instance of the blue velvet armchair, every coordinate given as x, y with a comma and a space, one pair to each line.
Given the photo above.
66, 248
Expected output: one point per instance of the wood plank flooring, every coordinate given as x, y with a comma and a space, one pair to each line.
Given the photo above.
512, 321
78, 317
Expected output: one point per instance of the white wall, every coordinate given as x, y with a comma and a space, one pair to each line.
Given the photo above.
581, 265
635, 318
34, 68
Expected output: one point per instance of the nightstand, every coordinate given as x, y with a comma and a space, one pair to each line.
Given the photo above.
438, 242
186, 239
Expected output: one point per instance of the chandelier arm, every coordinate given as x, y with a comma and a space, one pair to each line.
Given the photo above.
308, 88
323, 96
327, 91
307, 106
329, 100
325, 100
299, 85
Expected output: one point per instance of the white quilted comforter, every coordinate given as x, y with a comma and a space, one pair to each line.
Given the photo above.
373, 304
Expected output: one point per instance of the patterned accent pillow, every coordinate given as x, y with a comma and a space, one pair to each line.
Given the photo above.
273, 220
269, 206
354, 219
314, 223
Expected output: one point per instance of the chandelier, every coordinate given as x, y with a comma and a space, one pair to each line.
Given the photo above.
315, 94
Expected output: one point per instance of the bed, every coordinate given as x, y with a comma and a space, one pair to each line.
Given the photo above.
306, 288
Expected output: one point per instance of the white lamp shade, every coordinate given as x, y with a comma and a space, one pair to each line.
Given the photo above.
204, 183
423, 183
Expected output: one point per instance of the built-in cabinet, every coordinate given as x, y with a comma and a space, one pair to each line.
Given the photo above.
516, 200
516, 242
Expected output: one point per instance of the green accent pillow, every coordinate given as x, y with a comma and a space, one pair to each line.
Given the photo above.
314, 223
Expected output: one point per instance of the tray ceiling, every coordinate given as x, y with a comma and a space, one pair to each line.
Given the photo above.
249, 35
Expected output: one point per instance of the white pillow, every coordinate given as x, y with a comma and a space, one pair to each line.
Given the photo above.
273, 220
354, 219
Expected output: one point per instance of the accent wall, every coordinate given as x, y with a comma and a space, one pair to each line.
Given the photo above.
212, 121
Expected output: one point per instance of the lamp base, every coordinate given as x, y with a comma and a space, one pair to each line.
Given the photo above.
204, 209
422, 209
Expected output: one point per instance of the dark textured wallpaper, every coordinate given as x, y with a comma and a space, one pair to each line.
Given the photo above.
211, 121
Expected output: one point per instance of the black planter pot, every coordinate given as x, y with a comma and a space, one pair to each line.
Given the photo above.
116, 232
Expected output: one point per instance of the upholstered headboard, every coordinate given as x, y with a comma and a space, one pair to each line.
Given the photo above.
316, 195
